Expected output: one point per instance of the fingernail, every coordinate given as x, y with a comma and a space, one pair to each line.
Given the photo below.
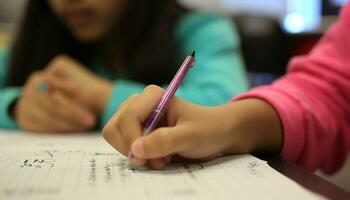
89, 121
138, 149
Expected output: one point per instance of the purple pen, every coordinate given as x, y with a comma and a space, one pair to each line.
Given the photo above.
162, 105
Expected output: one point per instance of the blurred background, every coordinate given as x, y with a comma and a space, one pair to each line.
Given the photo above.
281, 28
271, 31
274, 30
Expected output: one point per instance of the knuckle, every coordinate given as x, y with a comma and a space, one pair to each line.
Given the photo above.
133, 96
58, 62
123, 118
123, 105
108, 131
60, 58
153, 88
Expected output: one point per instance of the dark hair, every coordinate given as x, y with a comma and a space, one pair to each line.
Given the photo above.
145, 44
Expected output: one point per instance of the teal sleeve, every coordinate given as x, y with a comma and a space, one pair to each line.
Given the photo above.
121, 91
7, 95
219, 73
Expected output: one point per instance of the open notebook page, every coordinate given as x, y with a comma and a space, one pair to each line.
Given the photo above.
84, 166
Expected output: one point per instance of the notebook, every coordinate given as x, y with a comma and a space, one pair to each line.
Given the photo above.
83, 166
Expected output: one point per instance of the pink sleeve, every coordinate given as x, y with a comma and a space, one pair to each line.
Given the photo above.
313, 101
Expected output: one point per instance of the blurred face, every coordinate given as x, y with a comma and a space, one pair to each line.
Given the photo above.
88, 20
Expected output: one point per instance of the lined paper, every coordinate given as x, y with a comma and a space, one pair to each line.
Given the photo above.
84, 166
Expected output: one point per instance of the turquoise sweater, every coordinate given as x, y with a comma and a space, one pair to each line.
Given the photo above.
217, 76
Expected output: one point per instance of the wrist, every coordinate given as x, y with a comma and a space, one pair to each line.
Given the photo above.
226, 127
254, 127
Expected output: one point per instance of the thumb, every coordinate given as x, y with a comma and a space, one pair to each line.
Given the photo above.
164, 142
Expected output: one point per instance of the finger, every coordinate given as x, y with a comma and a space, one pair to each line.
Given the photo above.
123, 107
156, 164
130, 128
113, 131
36, 85
167, 159
67, 87
138, 162
143, 106
35, 112
27, 122
35, 119
56, 105
43, 112
72, 111
136, 113
125, 126
164, 142
58, 125
32, 127
61, 66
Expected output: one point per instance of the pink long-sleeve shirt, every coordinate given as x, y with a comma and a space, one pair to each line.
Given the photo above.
313, 101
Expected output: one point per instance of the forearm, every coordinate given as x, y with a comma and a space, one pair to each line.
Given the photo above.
312, 101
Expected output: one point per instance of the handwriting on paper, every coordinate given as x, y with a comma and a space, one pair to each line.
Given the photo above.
85, 167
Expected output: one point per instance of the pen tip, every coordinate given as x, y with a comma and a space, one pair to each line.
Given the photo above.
130, 156
193, 54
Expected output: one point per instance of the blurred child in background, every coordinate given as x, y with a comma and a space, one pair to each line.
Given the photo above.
92, 55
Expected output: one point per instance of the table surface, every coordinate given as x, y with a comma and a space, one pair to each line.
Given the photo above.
306, 178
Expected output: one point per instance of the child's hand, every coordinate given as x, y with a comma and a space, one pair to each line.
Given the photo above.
41, 111
77, 82
191, 131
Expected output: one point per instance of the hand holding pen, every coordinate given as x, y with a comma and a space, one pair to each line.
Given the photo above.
161, 107
189, 132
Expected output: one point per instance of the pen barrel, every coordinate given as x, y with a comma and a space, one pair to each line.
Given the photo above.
161, 107
175, 83
152, 121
